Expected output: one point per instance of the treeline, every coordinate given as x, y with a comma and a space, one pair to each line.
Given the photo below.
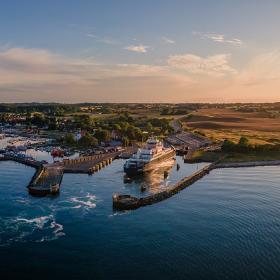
46, 108
86, 141
174, 111
124, 127
243, 146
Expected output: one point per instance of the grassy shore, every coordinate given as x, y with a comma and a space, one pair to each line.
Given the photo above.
234, 157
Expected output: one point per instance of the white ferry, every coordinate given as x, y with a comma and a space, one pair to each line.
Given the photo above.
147, 157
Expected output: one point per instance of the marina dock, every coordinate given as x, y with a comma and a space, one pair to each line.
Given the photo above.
27, 161
46, 180
48, 177
88, 164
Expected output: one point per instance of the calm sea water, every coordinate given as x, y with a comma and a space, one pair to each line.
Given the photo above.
225, 226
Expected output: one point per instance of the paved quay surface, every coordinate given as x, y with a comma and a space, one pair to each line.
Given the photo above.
84, 164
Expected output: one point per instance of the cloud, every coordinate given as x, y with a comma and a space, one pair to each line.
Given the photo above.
219, 38
41, 75
137, 48
91, 35
25, 67
263, 68
29, 70
141, 69
216, 65
167, 40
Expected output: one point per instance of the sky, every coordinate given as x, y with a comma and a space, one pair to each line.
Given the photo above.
139, 51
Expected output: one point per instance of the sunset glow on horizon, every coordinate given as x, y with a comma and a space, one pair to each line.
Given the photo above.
132, 51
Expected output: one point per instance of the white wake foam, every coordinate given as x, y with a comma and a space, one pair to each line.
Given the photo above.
22, 229
86, 202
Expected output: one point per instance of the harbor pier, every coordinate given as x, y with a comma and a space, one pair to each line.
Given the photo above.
46, 180
27, 161
48, 177
88, 164
127, 202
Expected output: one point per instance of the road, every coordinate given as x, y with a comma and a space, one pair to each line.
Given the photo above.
176, 125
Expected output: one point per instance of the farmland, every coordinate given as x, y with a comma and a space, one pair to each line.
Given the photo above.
226, 123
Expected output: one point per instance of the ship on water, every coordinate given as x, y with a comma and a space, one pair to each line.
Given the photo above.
148, 157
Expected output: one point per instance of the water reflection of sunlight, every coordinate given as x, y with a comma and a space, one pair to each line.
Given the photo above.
154, 181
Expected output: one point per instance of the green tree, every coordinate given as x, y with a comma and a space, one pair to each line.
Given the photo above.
149, 127
53, 123
117, 127
84, 122
125, 141
228, 146
38, 119
88, 141
103, 135
243, 144
243, 141
69, 139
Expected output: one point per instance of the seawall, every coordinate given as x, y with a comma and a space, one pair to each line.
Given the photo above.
29, 162
127, 202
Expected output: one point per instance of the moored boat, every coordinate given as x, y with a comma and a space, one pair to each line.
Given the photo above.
57, 153
148, 157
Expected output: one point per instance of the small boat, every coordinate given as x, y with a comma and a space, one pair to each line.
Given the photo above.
21, 148
57, 153
11, 148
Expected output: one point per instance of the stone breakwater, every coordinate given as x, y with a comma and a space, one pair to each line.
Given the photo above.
127, 202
